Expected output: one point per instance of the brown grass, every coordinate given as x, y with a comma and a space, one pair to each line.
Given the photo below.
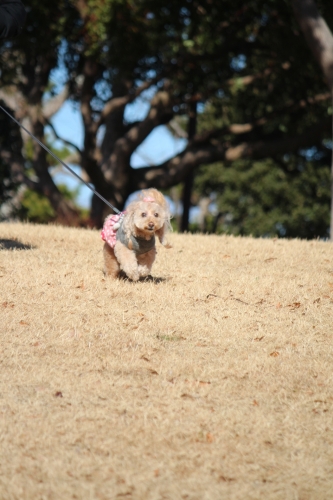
212, 381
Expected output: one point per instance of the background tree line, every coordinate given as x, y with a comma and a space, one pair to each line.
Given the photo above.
237, 79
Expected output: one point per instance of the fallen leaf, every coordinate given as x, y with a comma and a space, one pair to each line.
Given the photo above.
7, 304
226, 479
274, 354
209, 437
58, 394
294, 305
186, 395
23, 323
258, 339
255, 402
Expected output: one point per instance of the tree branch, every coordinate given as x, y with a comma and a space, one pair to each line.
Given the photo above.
245, 128
173, 171
54, 104
118, 103
65, 141
159, 110
317, 34
17, 170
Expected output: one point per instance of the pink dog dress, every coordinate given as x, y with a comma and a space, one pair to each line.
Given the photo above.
113, 232
111, 225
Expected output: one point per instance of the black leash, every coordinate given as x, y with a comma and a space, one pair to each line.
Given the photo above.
62, 162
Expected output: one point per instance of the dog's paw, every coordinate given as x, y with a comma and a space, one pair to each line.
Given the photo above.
143, 271
133, 275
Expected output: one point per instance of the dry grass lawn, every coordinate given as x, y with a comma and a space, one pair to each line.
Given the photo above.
211, 381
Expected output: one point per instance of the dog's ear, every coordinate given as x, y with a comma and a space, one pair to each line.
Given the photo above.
128, 222
161, 234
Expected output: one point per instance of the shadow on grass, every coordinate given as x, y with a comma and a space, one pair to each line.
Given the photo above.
14, 245
147, 279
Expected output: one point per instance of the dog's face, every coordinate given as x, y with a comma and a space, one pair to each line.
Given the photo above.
148, 217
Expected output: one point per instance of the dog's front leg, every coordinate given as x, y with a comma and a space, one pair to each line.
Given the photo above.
146, 261
127, 261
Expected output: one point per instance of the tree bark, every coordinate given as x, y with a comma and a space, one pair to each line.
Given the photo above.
188, 182
320, 40
174, 170
331, 219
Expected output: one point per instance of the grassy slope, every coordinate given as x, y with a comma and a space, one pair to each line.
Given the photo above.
212, 382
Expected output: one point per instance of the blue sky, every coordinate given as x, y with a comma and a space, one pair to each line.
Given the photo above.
158, 147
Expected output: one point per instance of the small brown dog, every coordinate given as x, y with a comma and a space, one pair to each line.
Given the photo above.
130, 237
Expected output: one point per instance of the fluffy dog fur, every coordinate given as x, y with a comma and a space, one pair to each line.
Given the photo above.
142, 219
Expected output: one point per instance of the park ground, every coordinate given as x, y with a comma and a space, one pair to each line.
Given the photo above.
211, 380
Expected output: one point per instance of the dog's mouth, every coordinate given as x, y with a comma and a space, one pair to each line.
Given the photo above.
150, 228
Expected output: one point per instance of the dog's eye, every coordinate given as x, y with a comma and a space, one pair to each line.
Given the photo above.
156, 214
143, 214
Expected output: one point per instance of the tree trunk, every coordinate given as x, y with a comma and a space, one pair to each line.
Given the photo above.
188, 183
331, 220
320, 40
204, 212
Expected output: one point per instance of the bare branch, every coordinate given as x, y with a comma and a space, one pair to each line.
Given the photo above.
177, 129
117, 103
175, 170
65, 141
248, 79
243, 128
13, 99
53, 105
160, 108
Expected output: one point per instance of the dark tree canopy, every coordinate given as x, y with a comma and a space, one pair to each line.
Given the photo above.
259, 92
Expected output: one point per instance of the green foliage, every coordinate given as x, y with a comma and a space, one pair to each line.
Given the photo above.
37, 208
244, 62
266, 198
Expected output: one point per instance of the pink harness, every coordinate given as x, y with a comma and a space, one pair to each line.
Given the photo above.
112, 223
109, 231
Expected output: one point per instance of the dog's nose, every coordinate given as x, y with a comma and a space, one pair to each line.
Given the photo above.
151, 225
